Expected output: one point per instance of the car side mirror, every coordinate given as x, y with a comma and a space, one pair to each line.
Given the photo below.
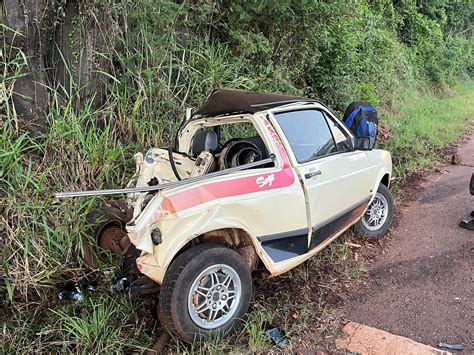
363, 143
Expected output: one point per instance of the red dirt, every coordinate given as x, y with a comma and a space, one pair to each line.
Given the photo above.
422, 287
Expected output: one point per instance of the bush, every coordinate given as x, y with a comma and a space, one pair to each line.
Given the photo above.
167, 56
333, 51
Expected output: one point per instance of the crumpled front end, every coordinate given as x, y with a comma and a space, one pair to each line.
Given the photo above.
160, 232
147, 232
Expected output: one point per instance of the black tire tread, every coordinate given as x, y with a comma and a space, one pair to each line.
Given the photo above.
165, 308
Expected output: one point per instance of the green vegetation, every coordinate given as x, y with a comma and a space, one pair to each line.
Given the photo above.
411, 58
426, 124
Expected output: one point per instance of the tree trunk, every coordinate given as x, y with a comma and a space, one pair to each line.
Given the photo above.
84, 51
30, 96
68, 46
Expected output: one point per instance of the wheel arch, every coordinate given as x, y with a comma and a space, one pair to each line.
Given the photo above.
237, 239
386, 180
382, 178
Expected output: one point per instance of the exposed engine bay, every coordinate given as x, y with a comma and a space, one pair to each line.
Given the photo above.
208, 149
206, 155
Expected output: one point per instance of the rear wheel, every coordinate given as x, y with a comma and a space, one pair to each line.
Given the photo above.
206, 290
377, 219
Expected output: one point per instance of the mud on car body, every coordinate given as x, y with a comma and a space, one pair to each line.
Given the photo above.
218, 207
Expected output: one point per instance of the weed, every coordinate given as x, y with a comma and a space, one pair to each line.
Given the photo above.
101, 323
357, 272
167, 57
255, 325
92, 330
425, 125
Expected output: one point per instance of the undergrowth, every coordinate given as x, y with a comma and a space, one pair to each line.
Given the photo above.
425, 124
168, 56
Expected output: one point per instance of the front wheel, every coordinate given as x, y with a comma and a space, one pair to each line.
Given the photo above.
377, 219
206, 290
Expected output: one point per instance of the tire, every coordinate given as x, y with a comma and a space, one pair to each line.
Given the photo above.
176, 308
374, 230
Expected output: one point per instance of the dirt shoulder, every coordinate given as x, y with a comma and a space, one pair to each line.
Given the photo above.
422, 287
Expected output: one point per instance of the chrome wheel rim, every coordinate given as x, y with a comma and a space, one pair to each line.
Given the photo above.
377, 213
214, 296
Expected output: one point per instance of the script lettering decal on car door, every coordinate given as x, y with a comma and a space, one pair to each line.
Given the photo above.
264, 181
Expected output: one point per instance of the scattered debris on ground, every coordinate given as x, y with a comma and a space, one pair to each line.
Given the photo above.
451, 346
456, 159
76, 291
160, 344
278, 336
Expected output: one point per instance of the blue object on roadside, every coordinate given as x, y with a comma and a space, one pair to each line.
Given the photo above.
362, 119
278, 336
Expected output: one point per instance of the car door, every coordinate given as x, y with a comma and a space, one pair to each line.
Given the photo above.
335, 178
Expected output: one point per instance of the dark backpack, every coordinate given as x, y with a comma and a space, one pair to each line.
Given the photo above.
361, 118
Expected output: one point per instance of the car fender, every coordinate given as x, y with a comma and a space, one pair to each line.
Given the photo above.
178, 229
382, 165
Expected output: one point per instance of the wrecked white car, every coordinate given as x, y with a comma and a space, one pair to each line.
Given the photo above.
256, 183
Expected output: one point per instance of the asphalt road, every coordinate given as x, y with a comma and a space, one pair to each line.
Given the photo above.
423, 286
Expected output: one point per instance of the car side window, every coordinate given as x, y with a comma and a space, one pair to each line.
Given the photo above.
308, 133
340, 137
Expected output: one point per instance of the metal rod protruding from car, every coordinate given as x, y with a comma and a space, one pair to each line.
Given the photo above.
129, 190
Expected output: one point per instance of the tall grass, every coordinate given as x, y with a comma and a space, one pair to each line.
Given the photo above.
86, 148
426, 123
159, 73
101, 324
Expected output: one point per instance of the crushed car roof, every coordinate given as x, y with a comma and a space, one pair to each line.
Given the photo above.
225, 101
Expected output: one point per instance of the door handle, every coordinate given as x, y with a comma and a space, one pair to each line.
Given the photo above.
312, 174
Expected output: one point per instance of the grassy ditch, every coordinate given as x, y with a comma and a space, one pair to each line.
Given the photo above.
426, 124
41, 237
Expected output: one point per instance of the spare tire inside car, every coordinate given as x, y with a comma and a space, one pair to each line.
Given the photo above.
240, 153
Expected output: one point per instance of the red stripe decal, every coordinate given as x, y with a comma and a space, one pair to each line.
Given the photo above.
235, 187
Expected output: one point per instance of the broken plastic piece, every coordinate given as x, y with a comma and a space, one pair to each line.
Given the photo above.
75, 291
451, 346
122, 284
133, 284
278, 336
